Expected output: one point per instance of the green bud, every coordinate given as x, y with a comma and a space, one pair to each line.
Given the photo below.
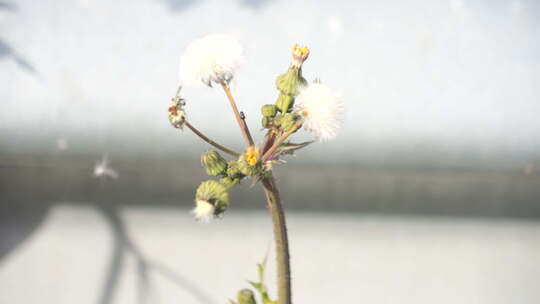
214, 193
246, 168
288, 121
213, 163
246, 296
269, 110
233, 171
277, 120
266, 122
290, 82
284, 103
230, 181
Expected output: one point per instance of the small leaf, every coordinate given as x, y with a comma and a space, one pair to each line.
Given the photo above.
290, 148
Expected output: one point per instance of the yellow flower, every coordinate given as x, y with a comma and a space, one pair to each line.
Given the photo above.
251, 156
299, 54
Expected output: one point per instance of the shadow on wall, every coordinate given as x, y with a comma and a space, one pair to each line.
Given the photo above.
8, 52
18, 222
124, 245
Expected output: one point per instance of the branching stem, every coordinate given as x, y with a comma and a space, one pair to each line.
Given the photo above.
280, 140
239, 117
211, 142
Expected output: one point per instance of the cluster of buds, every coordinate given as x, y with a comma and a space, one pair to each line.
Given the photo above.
213, 60
231, 173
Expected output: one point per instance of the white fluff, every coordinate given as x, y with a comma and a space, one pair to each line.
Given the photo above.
212, 58
203, 211
102, 169
321, 108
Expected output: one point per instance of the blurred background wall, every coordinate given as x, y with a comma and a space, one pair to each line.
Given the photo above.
438, 157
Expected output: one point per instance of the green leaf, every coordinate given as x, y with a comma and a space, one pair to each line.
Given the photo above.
260, 286
290, 148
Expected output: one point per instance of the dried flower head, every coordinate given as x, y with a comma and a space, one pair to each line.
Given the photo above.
210, 59
177, 116
320, 108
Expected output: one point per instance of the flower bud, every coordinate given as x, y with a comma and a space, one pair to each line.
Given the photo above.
230, 182
284, 103
269, 110
246, 296
288, 121
213, 163
299, 55
266, 122
289, 82
247, 163
212, 199
233, 171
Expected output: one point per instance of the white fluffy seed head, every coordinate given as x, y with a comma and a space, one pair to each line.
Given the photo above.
321, 109
212, 58
203, 211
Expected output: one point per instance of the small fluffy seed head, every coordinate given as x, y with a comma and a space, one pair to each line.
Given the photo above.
211, 200
321, 109
203, 211
210, 59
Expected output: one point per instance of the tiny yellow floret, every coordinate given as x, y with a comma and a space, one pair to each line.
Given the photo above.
301, 51
251, 156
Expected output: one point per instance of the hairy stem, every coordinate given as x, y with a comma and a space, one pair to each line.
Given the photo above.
211, 142
239, 118
282, 242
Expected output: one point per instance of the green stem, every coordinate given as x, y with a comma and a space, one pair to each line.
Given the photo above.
282, 242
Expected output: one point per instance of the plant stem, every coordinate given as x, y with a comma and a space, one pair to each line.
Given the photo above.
239, 118
211, 142
282, 242
273, 148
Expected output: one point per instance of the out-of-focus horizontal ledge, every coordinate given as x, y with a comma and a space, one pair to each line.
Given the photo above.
32, 181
